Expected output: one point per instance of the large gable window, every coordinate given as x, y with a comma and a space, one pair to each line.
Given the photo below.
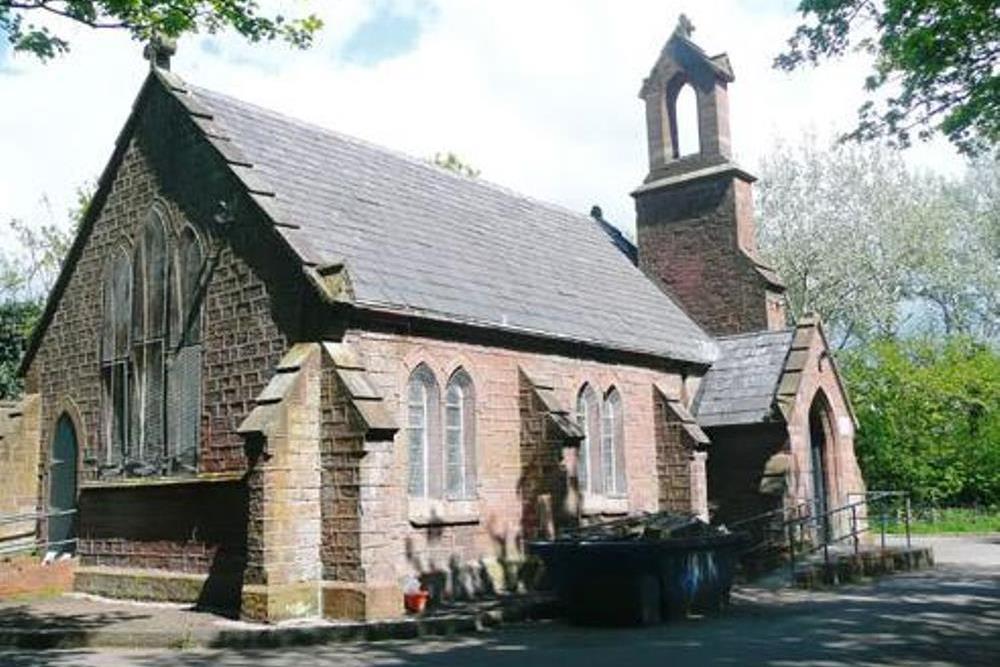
151, 351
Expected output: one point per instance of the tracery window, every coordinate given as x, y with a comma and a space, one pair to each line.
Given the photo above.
151, 351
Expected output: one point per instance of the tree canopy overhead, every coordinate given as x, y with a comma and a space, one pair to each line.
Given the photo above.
144, 18
878, 250
935, 60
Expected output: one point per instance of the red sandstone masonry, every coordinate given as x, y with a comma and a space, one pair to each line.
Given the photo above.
242, 343
504, 473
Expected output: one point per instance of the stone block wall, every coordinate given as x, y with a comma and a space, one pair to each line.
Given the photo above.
244, 336
736, 461
284, 516
816, 382
673, 455
517, 458
696, 238
19, 479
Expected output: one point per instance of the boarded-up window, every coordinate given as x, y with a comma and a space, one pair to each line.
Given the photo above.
185, 369
151, 350
460, 441
116, 373
148, 332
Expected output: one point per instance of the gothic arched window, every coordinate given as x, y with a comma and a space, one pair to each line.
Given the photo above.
149, 305
612, 444
116, 374
151, 350
459, 436
185, 367
588, 418
421, 427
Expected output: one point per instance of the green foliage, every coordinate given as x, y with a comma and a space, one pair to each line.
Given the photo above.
17, 318
144, 18
936, 59
28, 269
452, 162
948, 520
929, 418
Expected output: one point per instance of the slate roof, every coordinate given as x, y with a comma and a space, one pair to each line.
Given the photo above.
740, 386
617, 238
417, 239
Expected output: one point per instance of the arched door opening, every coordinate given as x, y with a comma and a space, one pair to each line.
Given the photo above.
62, 489
819, 444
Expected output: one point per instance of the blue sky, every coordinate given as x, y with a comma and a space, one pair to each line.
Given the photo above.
540, 96
386, 34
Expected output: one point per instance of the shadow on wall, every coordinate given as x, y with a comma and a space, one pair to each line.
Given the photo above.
450, 578
222, 592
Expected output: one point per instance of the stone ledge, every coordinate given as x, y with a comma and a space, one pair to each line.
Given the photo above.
139, 584
142, 482
435, 624
869, 563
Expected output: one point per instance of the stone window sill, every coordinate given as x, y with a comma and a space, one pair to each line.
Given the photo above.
433, 512
134, 482
609, 505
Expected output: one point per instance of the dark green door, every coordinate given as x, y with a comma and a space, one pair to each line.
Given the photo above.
62, 487
818, 447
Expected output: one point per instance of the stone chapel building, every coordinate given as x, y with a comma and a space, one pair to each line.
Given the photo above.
284, 369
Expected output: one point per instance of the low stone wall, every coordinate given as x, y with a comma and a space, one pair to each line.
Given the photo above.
19, 448
845, 568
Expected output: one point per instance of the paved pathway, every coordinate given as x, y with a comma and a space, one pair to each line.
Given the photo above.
947, 616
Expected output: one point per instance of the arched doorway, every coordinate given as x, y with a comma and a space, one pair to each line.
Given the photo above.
820, 437
62, 487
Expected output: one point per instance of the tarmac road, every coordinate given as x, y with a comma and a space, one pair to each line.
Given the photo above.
946, 616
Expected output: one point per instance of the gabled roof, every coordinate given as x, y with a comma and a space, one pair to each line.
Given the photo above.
741, 386
617, 238
406, 237
417, 239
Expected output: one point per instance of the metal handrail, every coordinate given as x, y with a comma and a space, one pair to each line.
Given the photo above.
822, 520
33, 544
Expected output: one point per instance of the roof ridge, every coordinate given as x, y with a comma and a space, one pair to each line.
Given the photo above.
748, 334
407, 157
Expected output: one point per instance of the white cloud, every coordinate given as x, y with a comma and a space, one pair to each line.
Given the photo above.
542, 97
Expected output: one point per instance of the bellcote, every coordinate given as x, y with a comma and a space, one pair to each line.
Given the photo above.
682, 62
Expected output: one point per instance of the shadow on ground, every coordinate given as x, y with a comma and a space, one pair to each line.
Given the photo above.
947, 616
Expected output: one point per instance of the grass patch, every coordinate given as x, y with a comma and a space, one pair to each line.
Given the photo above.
947, 520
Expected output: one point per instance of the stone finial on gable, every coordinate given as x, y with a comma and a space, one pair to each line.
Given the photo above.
684, 27
158, 51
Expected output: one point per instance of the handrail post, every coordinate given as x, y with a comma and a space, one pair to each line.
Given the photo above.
854, 527
906, 498
882, 520
791, 548
826, 546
